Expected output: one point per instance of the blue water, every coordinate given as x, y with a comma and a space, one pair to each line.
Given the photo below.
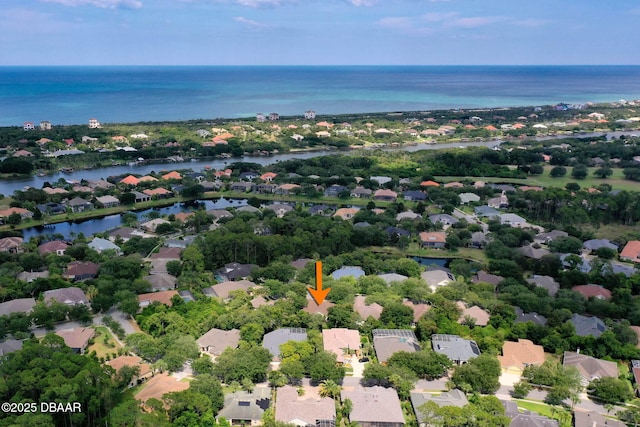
72, 95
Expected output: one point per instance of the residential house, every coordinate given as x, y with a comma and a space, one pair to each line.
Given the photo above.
501, 202
160, 385
546, 282
268, 176
68, 296
582, 418
590, 368
346, 271
143, 370
78, 204
219, 214
595, 244
587, 325
631, 251
525, 418
274, 339
100, 245
315, 308
374, 407
346, 213
19, 305
533, 253
475, 314
410, 215
153, 224
286, 189
30, 276
429, 184
162, 297
161, 282
108, 201
223, 290
485, 212
6, 213
593, 291
361, 193
81, 270
414, 196
246, 408
141, 197
265, 188
12, 245
381, 180
9, 346
334, 190
384, 195
241, 187
437, 278
77, 339
390, 278
478, 240
326, 210
518, 355
45, 125
386, 342
484, 277
395, 232
444, 219
457, 349
535, 318
130, 180
235, 271
342, 342
172, 175
453, 397
433, 239
419, 310
365, 311
304, 411
94, 124
215, 341
546, 238
52, 208
512, 219
280, 209
466, 198
158, 193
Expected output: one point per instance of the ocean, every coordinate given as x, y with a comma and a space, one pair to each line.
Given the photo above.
72, 95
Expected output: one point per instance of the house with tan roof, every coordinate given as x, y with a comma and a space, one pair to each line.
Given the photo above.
342, 342
518, 355
223, 290
589, 367
24, 213
360, 306
215, 341
172, 175
593, 291
374, 407
12, 245
20, 305
304, 411
315, 308
346, 213
419, 310
437, 278
81, 270
479, 316
384, 195
144, 370
162, 297
77, 339
433, 239
160, 385
69, 296
158, 193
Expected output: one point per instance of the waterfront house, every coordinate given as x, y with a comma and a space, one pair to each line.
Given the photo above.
361, 193
335, 190
130, 180
108, 201
158, 193
94, 124
241, 187
436, 278
6, 213
78, 204
286, 189
434, 239
172, 175
52, 208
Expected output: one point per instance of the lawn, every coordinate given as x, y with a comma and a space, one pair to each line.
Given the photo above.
560, 414
104, 343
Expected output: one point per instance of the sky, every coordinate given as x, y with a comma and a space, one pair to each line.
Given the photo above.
319, 32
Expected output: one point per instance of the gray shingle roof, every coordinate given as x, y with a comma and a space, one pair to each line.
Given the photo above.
454, 347
274, 339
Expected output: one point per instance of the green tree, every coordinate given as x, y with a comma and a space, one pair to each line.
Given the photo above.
611, 390
396, 315
558, 171
479, 374
580, 172
329, 388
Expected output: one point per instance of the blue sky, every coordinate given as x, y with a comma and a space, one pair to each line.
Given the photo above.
318, 32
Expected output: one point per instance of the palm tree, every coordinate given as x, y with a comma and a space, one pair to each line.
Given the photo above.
329, 388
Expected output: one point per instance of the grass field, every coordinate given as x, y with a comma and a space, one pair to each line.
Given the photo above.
616, 180
104, 343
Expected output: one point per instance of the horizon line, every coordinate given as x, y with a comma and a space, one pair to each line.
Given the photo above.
318, 65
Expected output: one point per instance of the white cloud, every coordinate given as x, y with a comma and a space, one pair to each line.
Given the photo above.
105, 4
259, 3
249, 22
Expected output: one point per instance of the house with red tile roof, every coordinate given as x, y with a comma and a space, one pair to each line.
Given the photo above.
147, 178
54, 246
518, 355
429, 184
144, 370
592, 291
268, 176
163, 297
631, 251
183, 216
81, 270
360, 306
130, 180
160, 385
385, 195
434, 239
158, 193
171, 175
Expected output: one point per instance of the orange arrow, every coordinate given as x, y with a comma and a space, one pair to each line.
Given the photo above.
319, 294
